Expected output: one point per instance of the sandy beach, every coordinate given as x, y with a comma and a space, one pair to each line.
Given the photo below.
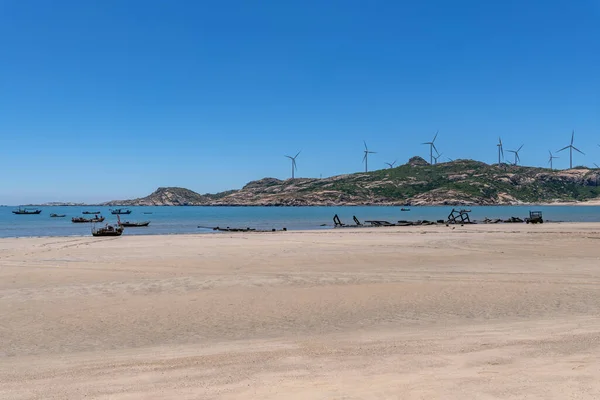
472, 312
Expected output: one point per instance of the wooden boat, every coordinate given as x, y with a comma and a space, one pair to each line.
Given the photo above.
26, 211
108, 230
57, 215
83, 220
228, 229
120, 211
128, 224
91, 212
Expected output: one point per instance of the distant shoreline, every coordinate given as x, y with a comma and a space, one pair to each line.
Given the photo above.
595, 202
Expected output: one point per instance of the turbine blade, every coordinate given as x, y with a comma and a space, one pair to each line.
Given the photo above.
365, 157
520, 148
576, 149
366, 148
436, 133
436, 150
572, 137
297, 154
564, 148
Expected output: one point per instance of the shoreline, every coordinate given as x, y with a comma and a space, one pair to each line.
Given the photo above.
591, 202
366, 229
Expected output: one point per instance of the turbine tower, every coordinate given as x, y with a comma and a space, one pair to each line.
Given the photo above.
366, 157
571, 148
431, 147
516, 152
436, 158
500, 150
294, 167
551, 158
391, 165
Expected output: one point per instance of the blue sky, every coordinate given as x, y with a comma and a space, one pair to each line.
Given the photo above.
111, 99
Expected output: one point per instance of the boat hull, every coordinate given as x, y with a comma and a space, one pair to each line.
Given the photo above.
134, 224
85, 220
114, 233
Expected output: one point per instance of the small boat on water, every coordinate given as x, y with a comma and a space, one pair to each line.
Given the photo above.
108, 230
91, 212
26, 211
405, 209
128, 224
120, 211
83, 220
57, 215
147, 213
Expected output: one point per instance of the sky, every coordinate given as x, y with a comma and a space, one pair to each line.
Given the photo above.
111, 99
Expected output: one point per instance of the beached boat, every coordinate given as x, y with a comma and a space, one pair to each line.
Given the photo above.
91, 212
120, 211
128, 224
83, 220
108, 230
57, 215
26, 211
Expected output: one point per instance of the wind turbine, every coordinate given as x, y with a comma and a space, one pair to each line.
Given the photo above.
391, 164
500, 150
516, 152
551, 158
438, 156
431, 147
294, 167
366, 157
571, 148
597, 173
449, 159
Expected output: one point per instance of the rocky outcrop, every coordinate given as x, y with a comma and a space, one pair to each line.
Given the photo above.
165, 196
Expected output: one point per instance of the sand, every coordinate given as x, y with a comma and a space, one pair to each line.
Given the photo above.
475, 312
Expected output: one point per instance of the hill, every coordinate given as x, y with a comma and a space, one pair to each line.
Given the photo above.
460, 182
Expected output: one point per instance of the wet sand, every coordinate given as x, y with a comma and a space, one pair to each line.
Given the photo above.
481, 312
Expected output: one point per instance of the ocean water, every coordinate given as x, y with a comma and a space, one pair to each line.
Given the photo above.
177, 220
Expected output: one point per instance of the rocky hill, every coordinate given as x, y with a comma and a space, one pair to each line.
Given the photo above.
460, 182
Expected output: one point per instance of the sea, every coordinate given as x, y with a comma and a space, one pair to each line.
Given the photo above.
185, 220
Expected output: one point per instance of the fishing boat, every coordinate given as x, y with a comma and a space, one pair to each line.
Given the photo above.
108, 230
26, 211
83, 220
128, 224
91, 212
57, 215
120, 211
